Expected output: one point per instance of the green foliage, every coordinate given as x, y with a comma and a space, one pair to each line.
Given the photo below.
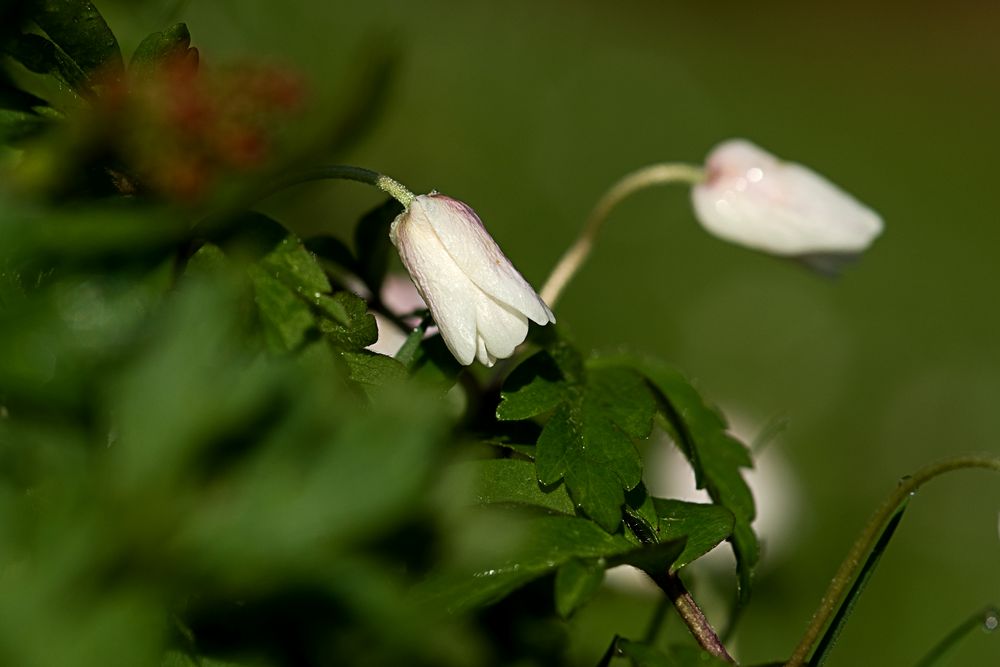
716, 456
80, 32
160, 48
576, 582
704, 527
201, 463
599, 410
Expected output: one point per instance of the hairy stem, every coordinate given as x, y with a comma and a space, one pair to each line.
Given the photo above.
693, 616
866, 541
576, 255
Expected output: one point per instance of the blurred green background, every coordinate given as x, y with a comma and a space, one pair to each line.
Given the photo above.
528, 110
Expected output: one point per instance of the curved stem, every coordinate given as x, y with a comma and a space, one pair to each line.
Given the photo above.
576, 255
866, 541
390, 186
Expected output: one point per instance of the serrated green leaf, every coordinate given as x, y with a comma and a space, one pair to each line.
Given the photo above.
294, 265
286, 318
704, 526
716, 456
158, 48
512, 482
372, 244
360, 329
600, 409
80, 31
536, 386
577, 581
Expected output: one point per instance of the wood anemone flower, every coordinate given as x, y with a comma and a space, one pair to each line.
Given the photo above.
752, 198
479, 301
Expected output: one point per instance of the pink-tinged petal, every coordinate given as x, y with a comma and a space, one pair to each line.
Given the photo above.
752, 198
479, 301
462, 233
449, 293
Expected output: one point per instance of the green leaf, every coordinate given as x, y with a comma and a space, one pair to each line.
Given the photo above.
80, 31
576, 582
22, 115
542, 544
356, 329
653, 559
704, 526
372, 244
435, 365
600, 409
292, 293
41, 56
291, 263
643, 520
512, 482
539, 383
716, 456
286, 318
159, 48
374, 372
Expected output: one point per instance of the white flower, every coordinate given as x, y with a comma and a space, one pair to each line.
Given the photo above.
752, 198
479, 301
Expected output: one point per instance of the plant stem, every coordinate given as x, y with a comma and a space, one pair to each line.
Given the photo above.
576, 255
390, 186
693, 616
982, 618
856, 557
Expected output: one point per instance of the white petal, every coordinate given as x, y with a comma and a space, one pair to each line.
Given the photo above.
471, 247
501, 328
754, 199
449, 293
482, 354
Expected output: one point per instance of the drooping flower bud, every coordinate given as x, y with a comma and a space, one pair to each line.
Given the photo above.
479, 301
752, 198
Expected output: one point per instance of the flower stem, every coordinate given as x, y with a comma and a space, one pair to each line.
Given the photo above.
390, 186
692, 615
856, 557
576, 255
